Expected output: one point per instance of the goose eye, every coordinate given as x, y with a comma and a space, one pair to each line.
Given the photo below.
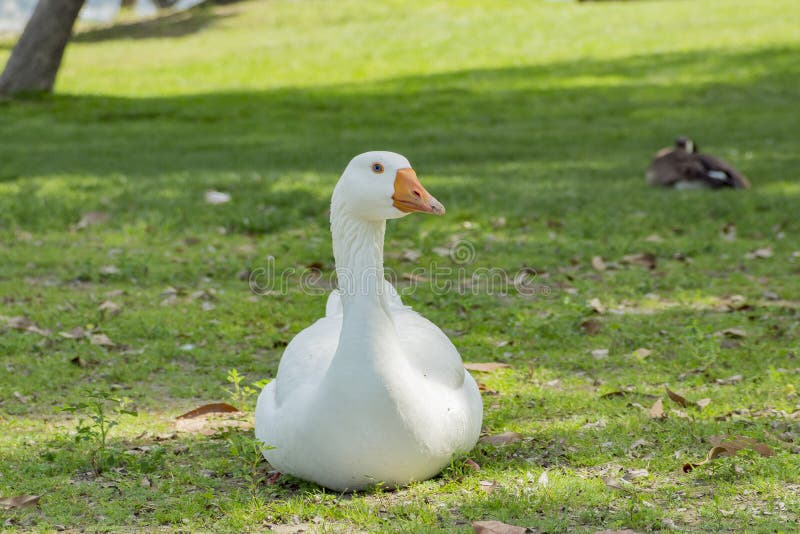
377, 168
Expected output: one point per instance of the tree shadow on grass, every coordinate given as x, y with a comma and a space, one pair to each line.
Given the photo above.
602, 114
177, 24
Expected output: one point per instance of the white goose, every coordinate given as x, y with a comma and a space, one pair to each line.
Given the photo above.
372, 393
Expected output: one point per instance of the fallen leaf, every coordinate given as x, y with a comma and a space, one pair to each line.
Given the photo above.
441, 251
642, 353
108, 307
657, 410
485, 367
109, 270
600, 354
715, 452
411, 255
759, 253
596, 306
216, 197
600, 423
731, 332
92, 218
496, 527
502, 439
728, 232
413, 277
644, 259
472, 464
146, 482
679, 399
488, 485
738, 443
543, 480
21, 398
76, 333
729, 447
616, 483
654, 238
735, 379
598, 264
214, 407
20, 501
102, 340
19, 323
702, 403
591, 327
633, 474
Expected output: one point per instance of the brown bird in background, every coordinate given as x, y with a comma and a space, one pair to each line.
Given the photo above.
683, 167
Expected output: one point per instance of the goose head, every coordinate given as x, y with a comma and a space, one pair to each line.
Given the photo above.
685, 144
380, 185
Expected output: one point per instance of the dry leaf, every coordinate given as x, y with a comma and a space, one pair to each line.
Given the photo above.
108, 307
654, 238
645, 259
22, 398
411, 255
216, 197
496, 527
735, 379
543, 480
488, 485
741, 442
76, 333
591, 327
20, 501
413, 277
633, 474
657, 410
715, 452
214, 407
109, 270
759, 253
642, 353
677, 398
502, 439
728, 232
724, 447
598, 264
596, 306
19, 323
472, 464
102, 340
600, 354
92, 218
485, 367
731, 332
702, 403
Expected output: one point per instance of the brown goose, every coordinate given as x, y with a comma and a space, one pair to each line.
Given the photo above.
683, 167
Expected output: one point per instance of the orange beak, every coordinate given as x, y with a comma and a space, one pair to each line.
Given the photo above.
409, 195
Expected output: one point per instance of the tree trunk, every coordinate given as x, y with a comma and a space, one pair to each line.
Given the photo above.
35, 59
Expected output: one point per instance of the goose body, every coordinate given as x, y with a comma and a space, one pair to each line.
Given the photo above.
372, 393
683, 167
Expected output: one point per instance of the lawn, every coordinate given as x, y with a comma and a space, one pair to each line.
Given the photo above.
533, 123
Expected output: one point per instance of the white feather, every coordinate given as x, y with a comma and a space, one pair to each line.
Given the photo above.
373, 392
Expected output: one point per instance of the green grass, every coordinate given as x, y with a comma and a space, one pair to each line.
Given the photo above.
541, 113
